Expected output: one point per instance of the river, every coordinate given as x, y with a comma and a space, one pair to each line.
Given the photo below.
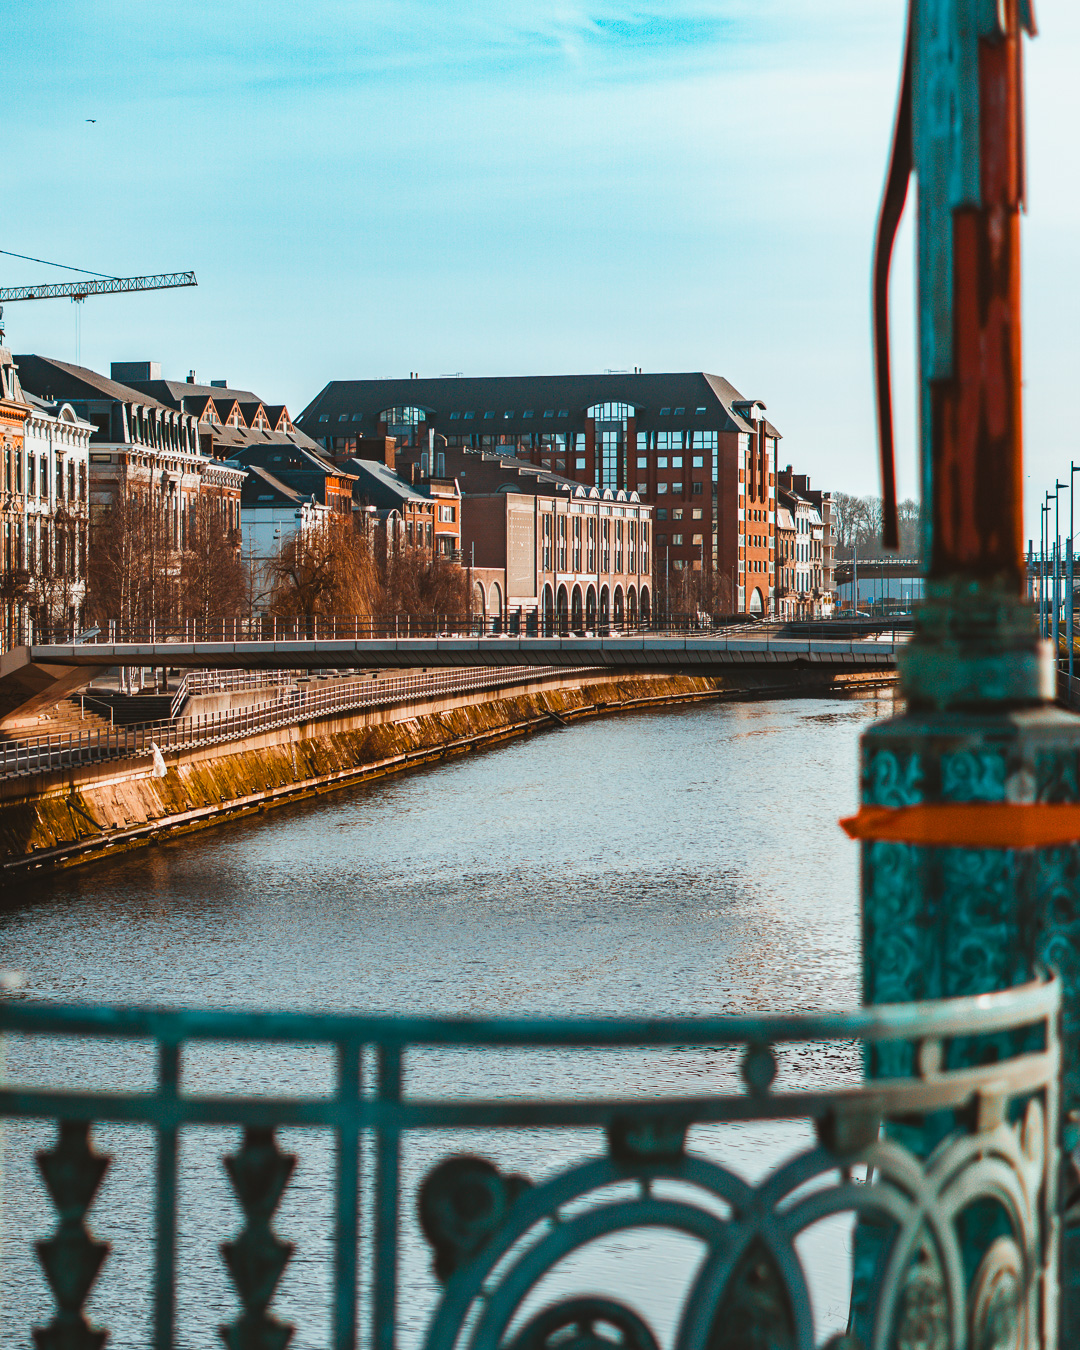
675, 862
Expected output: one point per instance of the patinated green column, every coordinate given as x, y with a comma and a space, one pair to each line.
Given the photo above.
970, 869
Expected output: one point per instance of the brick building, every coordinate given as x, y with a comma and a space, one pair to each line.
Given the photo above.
687, 443
576, 561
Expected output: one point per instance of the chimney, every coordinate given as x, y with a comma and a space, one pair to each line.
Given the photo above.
191, 377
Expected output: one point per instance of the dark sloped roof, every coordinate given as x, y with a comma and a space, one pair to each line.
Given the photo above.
260, 482
515, 394
44, 375
381, 486
173, 392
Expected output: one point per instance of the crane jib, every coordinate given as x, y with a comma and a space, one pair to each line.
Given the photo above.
79, 290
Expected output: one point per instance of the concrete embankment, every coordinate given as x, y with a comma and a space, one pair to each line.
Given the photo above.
66, 817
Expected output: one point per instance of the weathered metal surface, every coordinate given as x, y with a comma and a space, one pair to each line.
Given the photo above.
979, 747
987, 1067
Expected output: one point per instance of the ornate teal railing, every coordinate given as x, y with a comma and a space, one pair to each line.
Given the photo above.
984, 1069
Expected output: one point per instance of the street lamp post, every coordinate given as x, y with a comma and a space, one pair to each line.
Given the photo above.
1044, 614
1069, 625
1057, 572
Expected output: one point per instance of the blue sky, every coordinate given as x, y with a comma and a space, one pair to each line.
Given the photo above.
368, 187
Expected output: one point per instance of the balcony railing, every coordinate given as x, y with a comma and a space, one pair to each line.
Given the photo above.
963, 1233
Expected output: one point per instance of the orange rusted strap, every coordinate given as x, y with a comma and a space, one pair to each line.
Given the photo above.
970, 824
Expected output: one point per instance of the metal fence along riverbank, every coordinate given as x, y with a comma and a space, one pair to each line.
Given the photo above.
38, 754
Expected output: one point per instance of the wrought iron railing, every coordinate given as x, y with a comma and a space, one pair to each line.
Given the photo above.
963, 1237
41, 754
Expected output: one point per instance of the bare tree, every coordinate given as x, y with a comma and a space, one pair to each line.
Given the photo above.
133, 567
326, 569
847, 513
423, 585
213, 580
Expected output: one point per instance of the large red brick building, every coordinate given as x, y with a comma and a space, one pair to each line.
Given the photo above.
688, 444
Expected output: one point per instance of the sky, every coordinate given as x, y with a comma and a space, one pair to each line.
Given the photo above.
370, 187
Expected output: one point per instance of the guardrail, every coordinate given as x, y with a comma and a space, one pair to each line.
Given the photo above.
38, 754
962, 1237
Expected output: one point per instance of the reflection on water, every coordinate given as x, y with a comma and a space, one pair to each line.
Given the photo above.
679, 862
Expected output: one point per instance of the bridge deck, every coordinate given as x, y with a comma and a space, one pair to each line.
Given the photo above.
689, 653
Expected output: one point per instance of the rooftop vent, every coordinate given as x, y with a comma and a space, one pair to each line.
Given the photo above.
219, 384
124, 372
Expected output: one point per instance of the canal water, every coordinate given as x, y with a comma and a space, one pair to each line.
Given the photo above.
675, 862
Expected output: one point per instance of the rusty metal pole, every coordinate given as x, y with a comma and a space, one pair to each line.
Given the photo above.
970, 810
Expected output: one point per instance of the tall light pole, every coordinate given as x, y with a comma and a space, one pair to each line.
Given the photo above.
1073, 470
1057, 572
1044, 612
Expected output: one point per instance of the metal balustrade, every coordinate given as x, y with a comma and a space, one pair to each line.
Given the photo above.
39, 754
956, 1249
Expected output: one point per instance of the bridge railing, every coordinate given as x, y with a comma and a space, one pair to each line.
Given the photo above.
512, 623
296, 704
396, 1175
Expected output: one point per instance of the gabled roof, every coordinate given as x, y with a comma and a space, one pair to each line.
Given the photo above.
275, 414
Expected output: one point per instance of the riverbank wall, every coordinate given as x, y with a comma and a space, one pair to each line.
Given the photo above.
64, 818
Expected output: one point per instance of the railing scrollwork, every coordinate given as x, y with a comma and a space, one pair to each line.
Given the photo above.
953, 1242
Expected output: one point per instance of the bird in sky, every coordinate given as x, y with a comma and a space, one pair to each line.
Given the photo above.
91, 119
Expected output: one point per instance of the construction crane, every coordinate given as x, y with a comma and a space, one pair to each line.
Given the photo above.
101, 285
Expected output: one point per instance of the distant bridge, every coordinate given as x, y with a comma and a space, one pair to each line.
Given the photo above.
873, 568
35, 676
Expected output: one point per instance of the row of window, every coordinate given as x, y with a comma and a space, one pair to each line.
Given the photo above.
35, 481
402, 417
677, 540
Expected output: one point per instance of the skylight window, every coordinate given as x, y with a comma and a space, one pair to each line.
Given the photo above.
357, 417
469, 416
488, 416
665, 412
550, 412
343, 417
454, 416
527, 413
563, 412
508, 414
700, 412
680, 412
324, 417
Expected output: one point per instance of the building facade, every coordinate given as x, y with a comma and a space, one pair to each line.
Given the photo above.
139, 446
45, 509
569, 562
688, 444
824, 576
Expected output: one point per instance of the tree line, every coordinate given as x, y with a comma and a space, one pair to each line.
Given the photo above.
857, 527
139, 573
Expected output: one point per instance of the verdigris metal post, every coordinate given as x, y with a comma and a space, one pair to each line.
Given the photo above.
969, 817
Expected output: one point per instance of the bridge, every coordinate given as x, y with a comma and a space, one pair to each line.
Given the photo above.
34, 676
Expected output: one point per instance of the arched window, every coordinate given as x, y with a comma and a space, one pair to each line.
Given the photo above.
756, 603
590, 609
576, 615
402, 422
562, 611
549, 611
